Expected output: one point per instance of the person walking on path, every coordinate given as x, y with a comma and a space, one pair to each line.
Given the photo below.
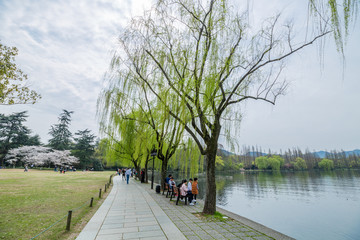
195, 189
123, 173
142, 175
128, 173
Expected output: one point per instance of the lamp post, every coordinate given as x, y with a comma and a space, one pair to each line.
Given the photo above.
153, 154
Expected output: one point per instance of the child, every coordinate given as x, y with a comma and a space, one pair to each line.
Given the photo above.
195, 189
190, 195
172, 182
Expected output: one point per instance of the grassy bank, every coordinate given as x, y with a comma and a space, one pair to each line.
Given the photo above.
30, 202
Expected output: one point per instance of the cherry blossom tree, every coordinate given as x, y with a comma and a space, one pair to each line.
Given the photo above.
40, 156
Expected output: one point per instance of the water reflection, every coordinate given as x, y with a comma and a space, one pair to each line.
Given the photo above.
304, 205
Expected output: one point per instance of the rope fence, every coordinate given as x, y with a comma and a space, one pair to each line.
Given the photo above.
69, 215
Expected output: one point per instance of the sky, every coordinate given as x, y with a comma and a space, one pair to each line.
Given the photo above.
66, 46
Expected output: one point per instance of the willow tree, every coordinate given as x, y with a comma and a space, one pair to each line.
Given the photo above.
341, 14
213, 61
126, 99
126, 142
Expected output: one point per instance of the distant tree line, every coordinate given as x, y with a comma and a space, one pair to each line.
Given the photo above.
292, 159
190, 162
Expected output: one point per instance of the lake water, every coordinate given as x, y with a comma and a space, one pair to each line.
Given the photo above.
303, 205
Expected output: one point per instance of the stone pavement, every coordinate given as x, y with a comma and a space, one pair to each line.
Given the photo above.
135, 211
194, 226
129, 212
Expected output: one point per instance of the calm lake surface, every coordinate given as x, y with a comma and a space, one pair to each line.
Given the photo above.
303, 205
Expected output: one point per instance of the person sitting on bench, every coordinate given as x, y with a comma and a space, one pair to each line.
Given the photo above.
184, 189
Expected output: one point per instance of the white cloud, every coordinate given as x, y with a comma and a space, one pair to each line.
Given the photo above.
65, 48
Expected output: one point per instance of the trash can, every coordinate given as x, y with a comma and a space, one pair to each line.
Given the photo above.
157, 189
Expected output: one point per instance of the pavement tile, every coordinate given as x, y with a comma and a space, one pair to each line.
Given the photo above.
113, 225
193, 238
116, 231
138, 224
262, 238
139, 216
240, 234
190, 233
205, 236
206, 227
195, 229
229, 235
212, 232
145, 234
109, 237
154, 238
146, 219
149, 228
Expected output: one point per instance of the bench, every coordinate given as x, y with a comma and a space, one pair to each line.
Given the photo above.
176, 192
166, 187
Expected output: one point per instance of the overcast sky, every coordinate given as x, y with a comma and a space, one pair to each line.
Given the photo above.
65, 48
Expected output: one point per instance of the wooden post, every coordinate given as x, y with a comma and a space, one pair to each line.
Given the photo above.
100, 193
91, 201
105, 187
68, 221
110, 179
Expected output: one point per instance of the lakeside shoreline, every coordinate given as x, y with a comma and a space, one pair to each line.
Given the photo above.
136, 211
273, 234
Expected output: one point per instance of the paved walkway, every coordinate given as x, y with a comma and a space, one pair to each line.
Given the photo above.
129, 212
135, 211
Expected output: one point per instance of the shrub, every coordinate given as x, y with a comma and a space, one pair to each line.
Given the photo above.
274, 162
261, 162
326, 164
300, 164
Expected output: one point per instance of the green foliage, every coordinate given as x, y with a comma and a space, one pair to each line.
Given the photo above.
97, 165
61, 135
13, 89
300, 164
274, 162
240, 165
326, 164
100, 151
14, 134
84, 149
219, 162
262, 162
355, 163
340, 18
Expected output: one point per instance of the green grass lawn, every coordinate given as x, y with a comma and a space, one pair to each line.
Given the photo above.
30, 202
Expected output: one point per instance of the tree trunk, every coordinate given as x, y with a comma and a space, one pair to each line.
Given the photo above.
163, 172
210, 197
146, 170
211, 150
